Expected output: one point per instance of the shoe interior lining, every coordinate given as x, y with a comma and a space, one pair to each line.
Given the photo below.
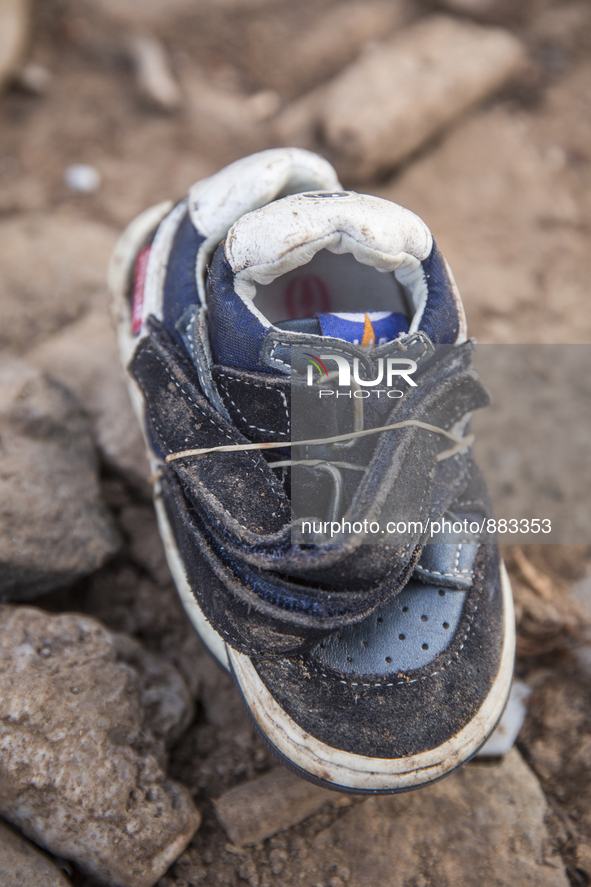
331, 283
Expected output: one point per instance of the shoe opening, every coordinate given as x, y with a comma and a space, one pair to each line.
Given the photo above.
331, 284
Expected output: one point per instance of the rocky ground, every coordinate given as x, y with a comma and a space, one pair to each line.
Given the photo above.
124, 750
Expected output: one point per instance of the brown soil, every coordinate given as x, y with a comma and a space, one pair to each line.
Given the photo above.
526, 225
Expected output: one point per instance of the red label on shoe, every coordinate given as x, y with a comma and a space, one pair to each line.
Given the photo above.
139, 283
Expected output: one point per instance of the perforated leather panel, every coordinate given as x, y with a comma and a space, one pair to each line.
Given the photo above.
408, 633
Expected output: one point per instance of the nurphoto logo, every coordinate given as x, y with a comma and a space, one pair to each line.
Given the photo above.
387, 369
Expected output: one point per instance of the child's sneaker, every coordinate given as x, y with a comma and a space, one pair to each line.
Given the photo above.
366, 667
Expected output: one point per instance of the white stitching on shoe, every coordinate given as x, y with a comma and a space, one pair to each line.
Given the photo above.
438, 573
277, 359
272, 480
256, 385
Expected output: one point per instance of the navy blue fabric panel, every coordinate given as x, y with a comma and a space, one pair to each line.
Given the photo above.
236, 335
180, 285
440, 319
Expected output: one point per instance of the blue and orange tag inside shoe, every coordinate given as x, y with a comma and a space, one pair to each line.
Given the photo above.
365, 328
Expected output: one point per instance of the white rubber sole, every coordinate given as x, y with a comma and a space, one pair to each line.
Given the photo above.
324, 763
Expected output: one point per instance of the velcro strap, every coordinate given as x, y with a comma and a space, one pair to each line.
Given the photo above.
231, 516
238, 490
258, 403
254, 610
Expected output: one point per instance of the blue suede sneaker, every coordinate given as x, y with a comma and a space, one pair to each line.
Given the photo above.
297, 356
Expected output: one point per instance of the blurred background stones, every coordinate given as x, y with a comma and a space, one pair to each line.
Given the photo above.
52, 269
402, 92
14, 32
84, 358
476, 114
292, 53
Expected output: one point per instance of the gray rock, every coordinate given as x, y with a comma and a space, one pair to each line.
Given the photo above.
547, 472
582, 593
156, 13
53, 268
298, 122
155, 80
34, 79
292, 52
500, 195
164, 696
24, 865
476, 8
14, 30
53, 526
127, 600
261, 808
402, 92
481, 825
218, 113
83, 356
145, 544
84, 717
557, 738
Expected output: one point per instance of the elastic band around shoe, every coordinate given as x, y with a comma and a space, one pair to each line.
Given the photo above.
460, 442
